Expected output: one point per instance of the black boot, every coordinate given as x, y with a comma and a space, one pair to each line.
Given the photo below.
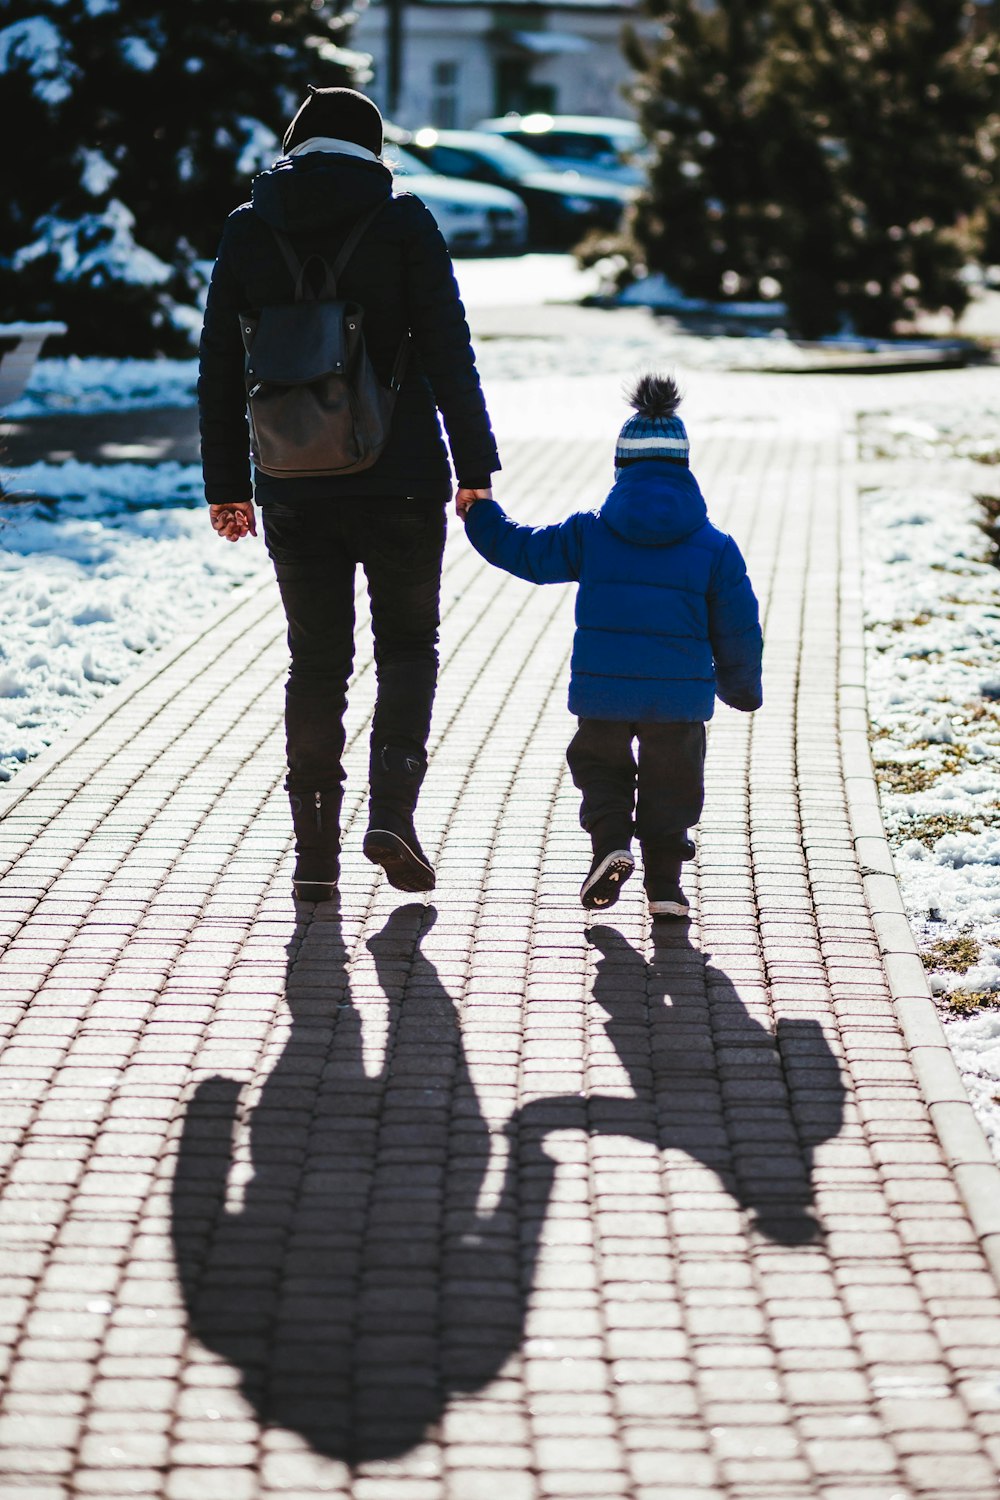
391, 840
316, 820
612, 864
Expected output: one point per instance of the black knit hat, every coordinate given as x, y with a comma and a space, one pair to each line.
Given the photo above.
342, 113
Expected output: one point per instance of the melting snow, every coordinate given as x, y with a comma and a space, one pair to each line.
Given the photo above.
119, 561
932, 616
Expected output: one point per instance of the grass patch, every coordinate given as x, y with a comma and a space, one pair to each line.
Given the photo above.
989, 505
924, 618
971, 1002
914, 776
905, 778
929, 829
956, 954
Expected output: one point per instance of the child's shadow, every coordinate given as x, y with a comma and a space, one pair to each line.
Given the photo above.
712, 1081
374, 1269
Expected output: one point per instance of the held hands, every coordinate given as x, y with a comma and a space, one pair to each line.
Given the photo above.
466, 499
234, 521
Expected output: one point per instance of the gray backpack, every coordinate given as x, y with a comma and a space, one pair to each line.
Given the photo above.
315, 404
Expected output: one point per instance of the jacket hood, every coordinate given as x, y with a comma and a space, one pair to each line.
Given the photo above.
654, 504
319, 190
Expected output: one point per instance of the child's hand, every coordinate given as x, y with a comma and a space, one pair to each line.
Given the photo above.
466, 499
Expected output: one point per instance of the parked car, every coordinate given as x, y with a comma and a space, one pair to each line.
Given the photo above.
471, 215
561, 205
604, 147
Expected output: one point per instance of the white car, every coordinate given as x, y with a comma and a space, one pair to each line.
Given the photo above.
604, 147
470, 215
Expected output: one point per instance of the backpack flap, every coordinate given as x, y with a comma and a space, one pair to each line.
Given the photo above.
297, 343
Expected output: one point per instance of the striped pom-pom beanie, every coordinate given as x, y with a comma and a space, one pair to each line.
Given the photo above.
655, 431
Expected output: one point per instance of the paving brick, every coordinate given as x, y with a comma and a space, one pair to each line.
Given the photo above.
651, 1251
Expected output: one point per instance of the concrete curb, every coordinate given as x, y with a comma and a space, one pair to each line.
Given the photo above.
90, 722
963, 1142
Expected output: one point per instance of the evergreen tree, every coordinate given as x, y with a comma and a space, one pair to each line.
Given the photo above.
832, 149
138, 125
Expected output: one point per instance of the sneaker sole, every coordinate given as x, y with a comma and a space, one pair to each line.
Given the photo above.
404, 870
314, 890
602, 889
669, 909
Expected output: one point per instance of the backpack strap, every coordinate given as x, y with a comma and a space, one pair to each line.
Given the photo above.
349, 246
400, 363
333, 272
299, 268
347, 249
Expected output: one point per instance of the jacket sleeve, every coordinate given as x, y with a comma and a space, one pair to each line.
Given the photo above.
443, 342
734, 631
541, 554
222, 402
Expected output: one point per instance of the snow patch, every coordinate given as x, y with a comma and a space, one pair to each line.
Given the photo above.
98, 174
38, 45
138, 54
96, 385
96, 247
931, 628
260, 144
110, 569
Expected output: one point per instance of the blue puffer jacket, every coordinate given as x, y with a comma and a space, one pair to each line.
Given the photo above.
665, 615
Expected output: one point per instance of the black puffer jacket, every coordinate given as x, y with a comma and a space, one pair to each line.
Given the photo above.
401, 274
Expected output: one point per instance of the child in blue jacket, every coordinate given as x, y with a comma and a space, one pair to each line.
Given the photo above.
666, 620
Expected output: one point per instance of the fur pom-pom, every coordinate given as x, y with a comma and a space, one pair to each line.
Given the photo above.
655, 396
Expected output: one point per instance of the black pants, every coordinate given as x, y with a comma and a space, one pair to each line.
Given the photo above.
660, 794
315, 550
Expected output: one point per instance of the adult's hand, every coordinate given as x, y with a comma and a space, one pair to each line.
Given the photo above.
466, 499
234, 521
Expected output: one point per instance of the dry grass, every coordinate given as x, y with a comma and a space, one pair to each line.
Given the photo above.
914, 776
971, 1002
929, 829
923, 618
955, 955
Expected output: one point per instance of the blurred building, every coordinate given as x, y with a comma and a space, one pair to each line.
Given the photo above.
451, 62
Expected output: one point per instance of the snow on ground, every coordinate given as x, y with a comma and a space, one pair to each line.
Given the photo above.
104, 385
99, 385
77, 386
111, 566
932, 611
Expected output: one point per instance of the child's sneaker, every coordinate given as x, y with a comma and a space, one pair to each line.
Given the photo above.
668, 901
604, 882
663, 881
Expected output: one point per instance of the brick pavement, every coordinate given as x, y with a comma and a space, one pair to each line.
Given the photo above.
466, 1201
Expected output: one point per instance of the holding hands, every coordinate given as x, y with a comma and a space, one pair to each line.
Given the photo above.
234, 521
466, 499
237, 520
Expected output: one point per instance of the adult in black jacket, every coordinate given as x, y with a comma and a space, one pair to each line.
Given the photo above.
390, 518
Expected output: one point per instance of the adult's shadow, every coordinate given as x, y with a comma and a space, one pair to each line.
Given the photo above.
366, 1278
360, 1285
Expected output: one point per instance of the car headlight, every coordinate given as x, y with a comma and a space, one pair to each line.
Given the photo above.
574, 205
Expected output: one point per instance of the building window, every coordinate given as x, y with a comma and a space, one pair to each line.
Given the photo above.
444, 95
516, 92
